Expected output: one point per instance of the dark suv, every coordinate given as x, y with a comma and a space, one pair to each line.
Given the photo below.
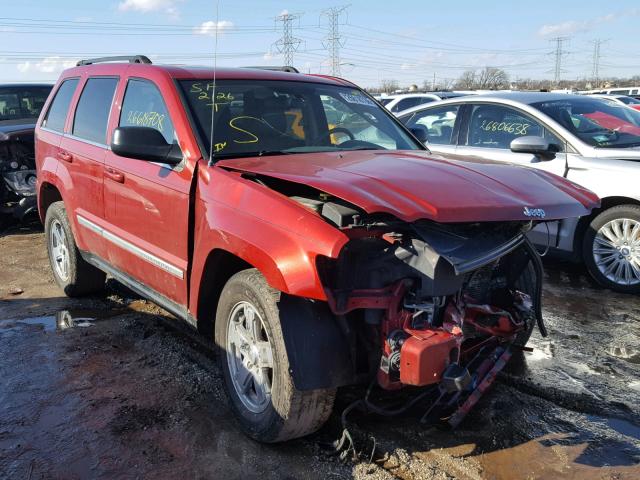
20, 106
291, 218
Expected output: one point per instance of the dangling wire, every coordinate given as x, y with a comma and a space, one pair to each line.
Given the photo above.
213, 92
546, 250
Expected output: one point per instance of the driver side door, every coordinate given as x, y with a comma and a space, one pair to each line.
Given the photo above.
147, 203
490, 129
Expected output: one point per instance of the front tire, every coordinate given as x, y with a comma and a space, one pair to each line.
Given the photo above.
611, 248
256, 367
71, 272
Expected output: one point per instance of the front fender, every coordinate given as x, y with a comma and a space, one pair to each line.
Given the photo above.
262, 227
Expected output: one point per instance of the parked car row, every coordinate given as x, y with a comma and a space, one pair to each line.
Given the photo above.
401, 102
586, 139
298, 223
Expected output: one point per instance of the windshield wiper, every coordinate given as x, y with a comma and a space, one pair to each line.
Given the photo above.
378, 147
259, 153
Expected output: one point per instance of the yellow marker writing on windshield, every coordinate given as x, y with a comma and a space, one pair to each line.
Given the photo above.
232, 125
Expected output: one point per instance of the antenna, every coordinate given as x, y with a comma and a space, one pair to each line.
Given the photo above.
213, 91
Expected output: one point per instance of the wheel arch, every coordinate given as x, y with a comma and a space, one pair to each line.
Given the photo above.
219, 266
605, 204
47, 195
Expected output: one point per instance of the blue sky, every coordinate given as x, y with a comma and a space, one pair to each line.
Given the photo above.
408, 41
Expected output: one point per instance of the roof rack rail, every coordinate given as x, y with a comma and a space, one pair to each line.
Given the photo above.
121, 58
277, 69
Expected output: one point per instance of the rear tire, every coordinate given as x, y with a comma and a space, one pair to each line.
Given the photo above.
71, 272
606, 245
256, 368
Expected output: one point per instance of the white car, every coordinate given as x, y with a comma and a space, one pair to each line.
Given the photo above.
619, 99
590, 141
398, 103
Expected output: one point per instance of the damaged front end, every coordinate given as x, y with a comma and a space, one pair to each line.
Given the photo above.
433, 304
17, 174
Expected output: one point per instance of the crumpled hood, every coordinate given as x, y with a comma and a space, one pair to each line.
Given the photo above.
416, 184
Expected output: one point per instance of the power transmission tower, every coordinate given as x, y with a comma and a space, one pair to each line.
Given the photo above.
595, 73
333, 41
287, 45
559, 53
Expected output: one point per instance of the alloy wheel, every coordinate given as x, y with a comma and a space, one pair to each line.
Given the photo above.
59, 250
616, 251
250, 357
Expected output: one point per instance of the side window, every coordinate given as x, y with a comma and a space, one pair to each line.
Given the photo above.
143, 106
59, 107
439, 123
92, 113
495, 126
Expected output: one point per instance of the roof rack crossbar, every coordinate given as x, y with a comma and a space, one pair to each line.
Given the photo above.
277, 69
121, 58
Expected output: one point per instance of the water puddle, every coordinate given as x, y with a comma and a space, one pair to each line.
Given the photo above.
63, 320
623, 427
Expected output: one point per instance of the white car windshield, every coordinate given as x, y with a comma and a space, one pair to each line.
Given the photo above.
597, 122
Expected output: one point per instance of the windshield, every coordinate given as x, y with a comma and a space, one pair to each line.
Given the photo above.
22, 102
597, 122
278, 117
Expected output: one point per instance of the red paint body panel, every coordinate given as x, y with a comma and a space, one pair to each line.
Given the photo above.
269, 231
148, 204
412, 185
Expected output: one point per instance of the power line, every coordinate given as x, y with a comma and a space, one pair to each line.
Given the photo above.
287, 44
333, 41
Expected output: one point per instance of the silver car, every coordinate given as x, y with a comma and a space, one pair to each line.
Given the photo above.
592, 142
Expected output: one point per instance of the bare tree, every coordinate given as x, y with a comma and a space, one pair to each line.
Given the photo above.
467, 80
389, 86
491, 78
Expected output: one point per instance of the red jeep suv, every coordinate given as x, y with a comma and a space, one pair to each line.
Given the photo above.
295, 221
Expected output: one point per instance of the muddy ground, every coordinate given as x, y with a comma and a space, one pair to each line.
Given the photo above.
111, 387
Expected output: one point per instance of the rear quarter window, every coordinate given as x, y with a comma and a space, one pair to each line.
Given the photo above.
57, 113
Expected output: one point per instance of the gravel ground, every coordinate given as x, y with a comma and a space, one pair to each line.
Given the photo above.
113, 387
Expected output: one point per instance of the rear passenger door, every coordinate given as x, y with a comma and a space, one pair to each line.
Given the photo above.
441, 124
82, 152
147, 203
51, 130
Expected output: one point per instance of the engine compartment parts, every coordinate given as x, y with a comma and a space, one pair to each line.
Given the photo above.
446, 302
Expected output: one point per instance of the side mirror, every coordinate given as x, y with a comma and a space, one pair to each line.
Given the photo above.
144, 143
420, 132
537, 146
